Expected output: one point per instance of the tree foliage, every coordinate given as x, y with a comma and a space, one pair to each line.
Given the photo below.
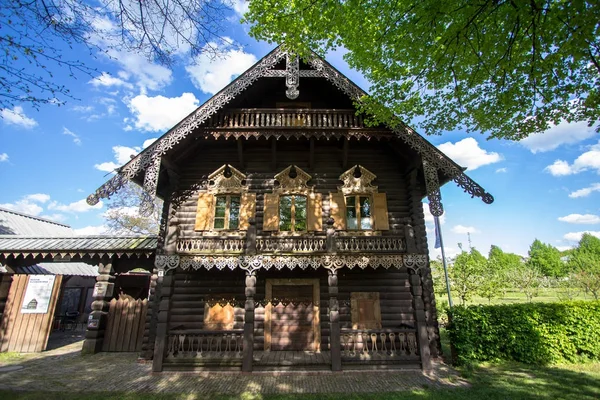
585, 264
37, 37
546, 259
504, 261
467, 273
510, 68
123, 217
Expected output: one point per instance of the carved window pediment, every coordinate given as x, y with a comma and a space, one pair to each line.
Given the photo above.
357, 180
293, 180
227, 179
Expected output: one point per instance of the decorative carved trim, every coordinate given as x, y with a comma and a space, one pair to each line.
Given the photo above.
329, 262
166, 263
218, 182
360, 185
295, 185
292, 79
264, 68
432, 187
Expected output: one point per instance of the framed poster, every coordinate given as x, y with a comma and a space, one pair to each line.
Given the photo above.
37, 295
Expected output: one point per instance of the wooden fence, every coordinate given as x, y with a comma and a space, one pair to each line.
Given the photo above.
125, 326
22, 332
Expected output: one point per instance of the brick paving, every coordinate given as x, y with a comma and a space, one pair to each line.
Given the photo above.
65, 369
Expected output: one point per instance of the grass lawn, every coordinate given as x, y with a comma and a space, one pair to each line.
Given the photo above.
488, 381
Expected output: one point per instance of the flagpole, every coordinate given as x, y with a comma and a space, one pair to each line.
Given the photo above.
439, 236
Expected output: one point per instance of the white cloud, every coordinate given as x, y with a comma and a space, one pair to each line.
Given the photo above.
240, 6
148, 76
122, 156
148, 142
161, 113
586, 161
576, 236
468, 153
212, 74
3, 157
76, 138
29, 204
107, 80
462, 230
501, 170
429, 216
92, 230
107, 166
563, 133
584, 192
55, 217
75, 207
16, 116
580, 219
563, 248
83, 109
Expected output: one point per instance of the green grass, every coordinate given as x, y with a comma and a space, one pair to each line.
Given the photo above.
10, 358
512, 381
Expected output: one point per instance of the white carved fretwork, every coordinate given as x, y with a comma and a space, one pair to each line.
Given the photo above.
227, 179
360, 184
432, 186
293, 183
264, 68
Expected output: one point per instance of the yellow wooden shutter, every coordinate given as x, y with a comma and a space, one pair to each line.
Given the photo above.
315, 212
204, 212
365, 310
218, 317
247, 209
337, 210
380, 213
271, 212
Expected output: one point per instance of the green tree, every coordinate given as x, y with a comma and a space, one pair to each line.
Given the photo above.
504, 261
585, 263
527, 279
466, 273
510, 68
546, 259
493, 283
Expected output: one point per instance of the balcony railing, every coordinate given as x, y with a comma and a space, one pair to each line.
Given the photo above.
226, 245
205, 344
291, 245
378, 344
286, 118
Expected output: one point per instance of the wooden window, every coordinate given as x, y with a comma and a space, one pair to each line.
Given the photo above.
365, 310
227, 212
359, 212
292, 213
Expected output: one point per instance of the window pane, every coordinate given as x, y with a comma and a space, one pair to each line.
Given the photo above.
351, 222
220, 206
234, 212
285, 213
300, 206
219, 223
365, 213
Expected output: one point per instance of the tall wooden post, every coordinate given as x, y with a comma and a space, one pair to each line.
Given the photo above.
421, 321
248, 349
334, 322
150, 323
165, 282
96, 325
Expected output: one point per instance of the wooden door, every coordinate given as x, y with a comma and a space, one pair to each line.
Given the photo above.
292, 315
125, 325
20, 329
292, 320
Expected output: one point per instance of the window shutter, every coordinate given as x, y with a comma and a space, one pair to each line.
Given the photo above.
365, 310
337, 210
271, 212
247, 209
380, 213
204, 212
218, 318
315, 212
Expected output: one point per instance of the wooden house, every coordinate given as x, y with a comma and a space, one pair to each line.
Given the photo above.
293, 233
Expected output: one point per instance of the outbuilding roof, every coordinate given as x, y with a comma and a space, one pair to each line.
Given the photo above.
60, 268
16, 223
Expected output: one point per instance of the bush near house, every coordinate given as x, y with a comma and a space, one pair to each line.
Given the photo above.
532, 333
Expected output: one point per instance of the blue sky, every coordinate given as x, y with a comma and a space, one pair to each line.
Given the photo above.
546, 187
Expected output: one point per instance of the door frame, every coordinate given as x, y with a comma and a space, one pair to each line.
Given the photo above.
315, 301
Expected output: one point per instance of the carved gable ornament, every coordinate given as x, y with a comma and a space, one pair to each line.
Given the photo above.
227, 179
357, 180
293, 180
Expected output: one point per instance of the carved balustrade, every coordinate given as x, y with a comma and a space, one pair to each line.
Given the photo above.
205, 344
379, 244
298, 244
227, 245
286, 118
368, 344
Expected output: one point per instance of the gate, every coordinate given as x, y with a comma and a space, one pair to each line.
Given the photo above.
125, 325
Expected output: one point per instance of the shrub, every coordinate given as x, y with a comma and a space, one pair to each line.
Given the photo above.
533, 333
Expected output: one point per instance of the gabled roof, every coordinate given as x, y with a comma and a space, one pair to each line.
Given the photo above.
59, 268
149, 160
16, 223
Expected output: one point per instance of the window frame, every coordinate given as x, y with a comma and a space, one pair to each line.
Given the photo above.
293, 212
226, 217
357, 197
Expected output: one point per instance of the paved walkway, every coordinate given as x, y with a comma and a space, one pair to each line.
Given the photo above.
65, 369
